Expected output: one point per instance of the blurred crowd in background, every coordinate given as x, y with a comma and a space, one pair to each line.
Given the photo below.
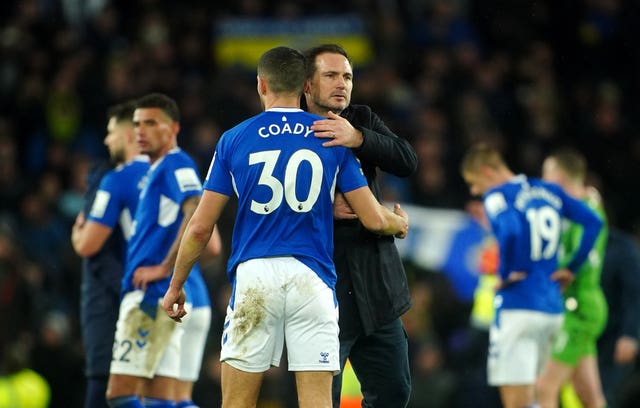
526, 75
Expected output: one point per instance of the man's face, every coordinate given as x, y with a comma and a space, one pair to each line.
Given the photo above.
551, 172
155, 132
331, 85
115, 140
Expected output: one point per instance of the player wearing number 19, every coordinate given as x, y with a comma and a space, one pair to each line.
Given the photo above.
281, 266
525, 215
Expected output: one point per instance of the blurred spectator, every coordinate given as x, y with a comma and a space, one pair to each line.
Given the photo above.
619, 343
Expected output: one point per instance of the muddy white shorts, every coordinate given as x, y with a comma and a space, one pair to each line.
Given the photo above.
276, 301
519, 345
144, 347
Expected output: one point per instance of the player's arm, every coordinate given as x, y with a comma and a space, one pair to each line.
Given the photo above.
145, 274
196, 236
506, 227
88, 237
591, 223
375, 143
376, 217
389, 152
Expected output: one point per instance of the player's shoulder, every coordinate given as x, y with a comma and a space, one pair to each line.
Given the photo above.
139, 165
495, 201
177, 158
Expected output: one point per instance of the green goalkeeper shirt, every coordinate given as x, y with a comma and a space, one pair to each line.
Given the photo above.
584, 296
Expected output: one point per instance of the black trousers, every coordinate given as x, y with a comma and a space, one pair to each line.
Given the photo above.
381, 364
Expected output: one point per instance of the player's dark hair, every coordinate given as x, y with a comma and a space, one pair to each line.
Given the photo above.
160, 101
122, 112
311, 54
283, 68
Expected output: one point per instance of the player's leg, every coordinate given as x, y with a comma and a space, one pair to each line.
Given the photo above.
520, 344
196, 330
184, 392
586, 381
159, 392
548, 385
145, 346
311, 333
381, 363
99, 305
240, 388
336, 382
253, 335
314, 389
517, 396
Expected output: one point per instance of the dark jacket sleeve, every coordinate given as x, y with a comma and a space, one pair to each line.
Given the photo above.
381, 147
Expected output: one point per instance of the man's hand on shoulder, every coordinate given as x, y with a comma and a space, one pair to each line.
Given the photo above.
339, 130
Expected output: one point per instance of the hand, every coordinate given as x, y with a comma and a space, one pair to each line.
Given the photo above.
339, 130
626, 350
172, 298
80, 219
402, 214
145, 274
564, 277
514, 276
341, 208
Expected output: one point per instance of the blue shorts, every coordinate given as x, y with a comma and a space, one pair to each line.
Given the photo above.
99, 305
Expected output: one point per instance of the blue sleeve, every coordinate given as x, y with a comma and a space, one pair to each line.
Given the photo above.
184, 181
106, 206
350, 175
579, 212
506, 227
219, 175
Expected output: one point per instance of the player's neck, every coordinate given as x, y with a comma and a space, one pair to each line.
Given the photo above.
281, 101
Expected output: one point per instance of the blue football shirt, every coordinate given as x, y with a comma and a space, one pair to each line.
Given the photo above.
116, 200
526, 219
285, 180
169, 182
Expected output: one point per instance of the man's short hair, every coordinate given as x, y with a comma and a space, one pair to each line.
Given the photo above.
122, 112
571, 161
160, 101
311, 54
479, 155
283, 68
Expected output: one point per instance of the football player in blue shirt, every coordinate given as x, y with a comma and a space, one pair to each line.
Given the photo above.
525, 215
280, 266
146, 357
99, 235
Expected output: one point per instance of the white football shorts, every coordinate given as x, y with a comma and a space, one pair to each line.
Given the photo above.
519, 345
276, 301
144, 347
196, 329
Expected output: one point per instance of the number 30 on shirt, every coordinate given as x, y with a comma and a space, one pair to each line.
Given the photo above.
287, 189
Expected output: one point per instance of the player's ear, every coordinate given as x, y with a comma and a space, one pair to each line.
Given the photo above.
262, 86
307, 85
